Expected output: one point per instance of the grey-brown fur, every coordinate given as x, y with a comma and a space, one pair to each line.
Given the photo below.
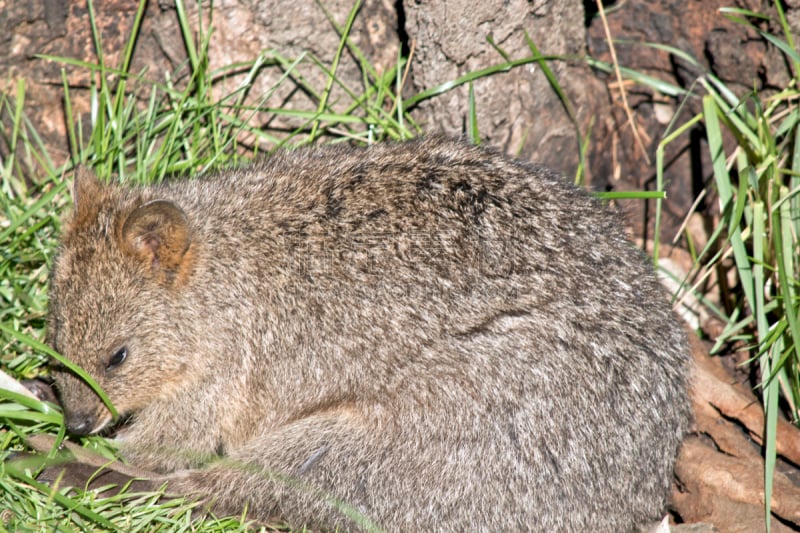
431, 333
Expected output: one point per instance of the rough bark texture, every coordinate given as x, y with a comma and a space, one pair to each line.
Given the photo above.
518, 110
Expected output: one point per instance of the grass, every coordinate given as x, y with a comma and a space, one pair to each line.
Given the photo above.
144, 131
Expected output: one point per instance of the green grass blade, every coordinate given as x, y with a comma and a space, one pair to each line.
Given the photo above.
471, 76
566, 104
723, 182
472, 118
187, 34
630, 195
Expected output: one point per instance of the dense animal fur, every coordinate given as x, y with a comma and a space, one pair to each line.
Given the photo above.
430, 333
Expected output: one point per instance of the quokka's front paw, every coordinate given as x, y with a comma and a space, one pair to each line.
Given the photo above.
81, 468
105, 480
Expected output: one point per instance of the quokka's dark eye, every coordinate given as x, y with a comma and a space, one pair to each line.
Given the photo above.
117, 359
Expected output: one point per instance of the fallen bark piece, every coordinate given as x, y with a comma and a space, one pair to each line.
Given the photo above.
729, 491
712, 385
720, 469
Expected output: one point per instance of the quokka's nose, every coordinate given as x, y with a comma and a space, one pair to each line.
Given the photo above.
80, 423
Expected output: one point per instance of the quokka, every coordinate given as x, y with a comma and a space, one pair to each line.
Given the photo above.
422, 335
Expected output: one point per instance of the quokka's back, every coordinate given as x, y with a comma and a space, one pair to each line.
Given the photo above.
423, 335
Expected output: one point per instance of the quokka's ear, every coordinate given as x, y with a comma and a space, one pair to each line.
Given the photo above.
158, 232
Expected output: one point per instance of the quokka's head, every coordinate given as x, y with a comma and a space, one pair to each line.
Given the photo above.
117, 274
